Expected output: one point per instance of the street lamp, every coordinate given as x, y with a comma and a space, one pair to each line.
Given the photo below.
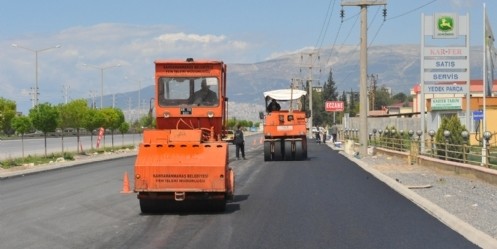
151, 108
102, 79
36, 51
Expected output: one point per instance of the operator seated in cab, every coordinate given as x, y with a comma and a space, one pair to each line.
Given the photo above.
273, 106
204, 96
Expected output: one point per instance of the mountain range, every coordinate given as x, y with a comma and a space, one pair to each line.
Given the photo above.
396, 67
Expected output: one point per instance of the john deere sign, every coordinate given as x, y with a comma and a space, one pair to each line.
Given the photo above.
445, 25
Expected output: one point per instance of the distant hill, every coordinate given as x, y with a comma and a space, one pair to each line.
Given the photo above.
397, 67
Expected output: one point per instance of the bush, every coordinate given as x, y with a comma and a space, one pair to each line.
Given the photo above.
454, 141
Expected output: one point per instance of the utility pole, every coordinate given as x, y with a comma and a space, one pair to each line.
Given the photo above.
33, 95
93, 95
372, 91
310, 67
363, 98
65, 92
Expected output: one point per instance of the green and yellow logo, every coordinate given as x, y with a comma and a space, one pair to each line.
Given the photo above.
445, 23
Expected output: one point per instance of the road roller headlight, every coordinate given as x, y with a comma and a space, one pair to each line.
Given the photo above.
166, 114
210, 114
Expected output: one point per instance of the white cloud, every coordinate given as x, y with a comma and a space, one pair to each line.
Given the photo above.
134, 47
284, 53
182, 37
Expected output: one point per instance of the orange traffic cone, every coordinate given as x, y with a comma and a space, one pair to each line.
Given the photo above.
126, 189
262, 140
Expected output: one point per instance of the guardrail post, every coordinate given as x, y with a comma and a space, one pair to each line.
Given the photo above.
446, 135
432, 133
486, 135
465, 136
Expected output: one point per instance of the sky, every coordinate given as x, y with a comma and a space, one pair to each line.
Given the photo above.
95, 35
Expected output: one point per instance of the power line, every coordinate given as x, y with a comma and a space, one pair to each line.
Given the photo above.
410, 11
338, 33
381, 25
326, 24
370, 44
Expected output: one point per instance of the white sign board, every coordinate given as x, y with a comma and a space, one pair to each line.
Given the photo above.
445, 76
445, 51
446, 64
446, 104
441, 89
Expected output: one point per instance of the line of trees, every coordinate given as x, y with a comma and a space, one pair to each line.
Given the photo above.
231, 123
47, 118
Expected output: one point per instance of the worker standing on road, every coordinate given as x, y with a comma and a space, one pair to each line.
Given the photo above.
239, 142
334, 131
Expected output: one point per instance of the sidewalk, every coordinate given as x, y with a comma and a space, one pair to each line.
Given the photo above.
466, 204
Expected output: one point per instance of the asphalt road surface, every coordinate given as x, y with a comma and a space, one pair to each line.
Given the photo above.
324, 202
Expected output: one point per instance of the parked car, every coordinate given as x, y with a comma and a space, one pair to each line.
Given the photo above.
34, 134
229, 136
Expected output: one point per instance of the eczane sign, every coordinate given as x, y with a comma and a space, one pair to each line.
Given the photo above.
334, 106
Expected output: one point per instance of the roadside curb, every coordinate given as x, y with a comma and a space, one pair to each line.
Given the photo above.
4, 174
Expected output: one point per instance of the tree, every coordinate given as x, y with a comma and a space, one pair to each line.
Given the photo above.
113, 119
400, 97
353, 108
22, 124
318, 112
330, 94
147, 121
382, 98
123, 129
231, 123
44, 117
72, 115
7, 113
329, 88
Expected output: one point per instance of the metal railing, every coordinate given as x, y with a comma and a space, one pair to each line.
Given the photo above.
462, 153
